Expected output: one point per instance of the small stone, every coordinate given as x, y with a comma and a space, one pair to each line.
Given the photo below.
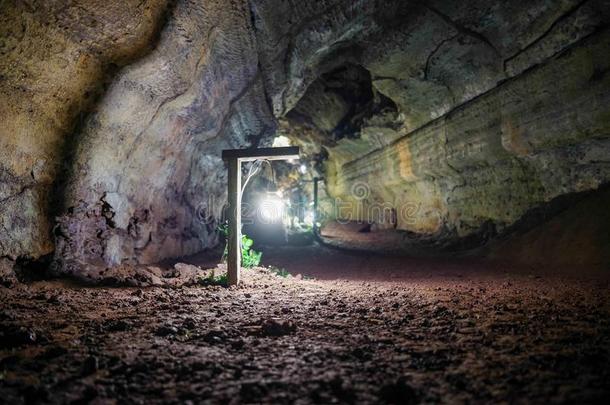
35, 394
89, 394
275, 327
189, 323
52, 353
53, 299
399, 392
8, 278
118, 325
166, 330
238, 344
17, 337
90, 366
214, 336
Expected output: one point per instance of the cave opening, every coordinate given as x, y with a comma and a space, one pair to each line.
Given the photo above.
339, 102
442, 236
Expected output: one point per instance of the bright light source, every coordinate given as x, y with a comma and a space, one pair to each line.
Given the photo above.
281, 141
303, 168
271, 208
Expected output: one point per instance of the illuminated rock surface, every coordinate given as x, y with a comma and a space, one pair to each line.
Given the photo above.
114, 115
464, 148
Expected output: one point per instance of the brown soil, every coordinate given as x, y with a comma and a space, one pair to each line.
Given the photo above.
361, 236
366, 330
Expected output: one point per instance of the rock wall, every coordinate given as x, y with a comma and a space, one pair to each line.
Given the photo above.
55, 59
500, 107
149, 180
114, 113
535, 137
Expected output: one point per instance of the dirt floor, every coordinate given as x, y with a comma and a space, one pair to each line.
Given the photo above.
367, 329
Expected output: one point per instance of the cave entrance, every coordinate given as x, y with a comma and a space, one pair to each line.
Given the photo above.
234, 158
338, 104
340, 117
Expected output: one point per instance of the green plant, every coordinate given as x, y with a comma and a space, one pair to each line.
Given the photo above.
213, 279
279, 272
249, 257
222, 279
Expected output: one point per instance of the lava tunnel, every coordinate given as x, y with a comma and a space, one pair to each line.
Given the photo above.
314, 201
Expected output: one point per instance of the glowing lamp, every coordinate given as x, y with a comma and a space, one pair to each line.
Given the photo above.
271, 208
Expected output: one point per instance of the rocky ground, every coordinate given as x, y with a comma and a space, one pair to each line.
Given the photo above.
433, 331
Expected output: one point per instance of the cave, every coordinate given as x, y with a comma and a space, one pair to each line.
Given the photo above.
442, 237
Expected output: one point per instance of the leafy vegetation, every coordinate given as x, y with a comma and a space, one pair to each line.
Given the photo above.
279, 272
213, 279
249, 257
